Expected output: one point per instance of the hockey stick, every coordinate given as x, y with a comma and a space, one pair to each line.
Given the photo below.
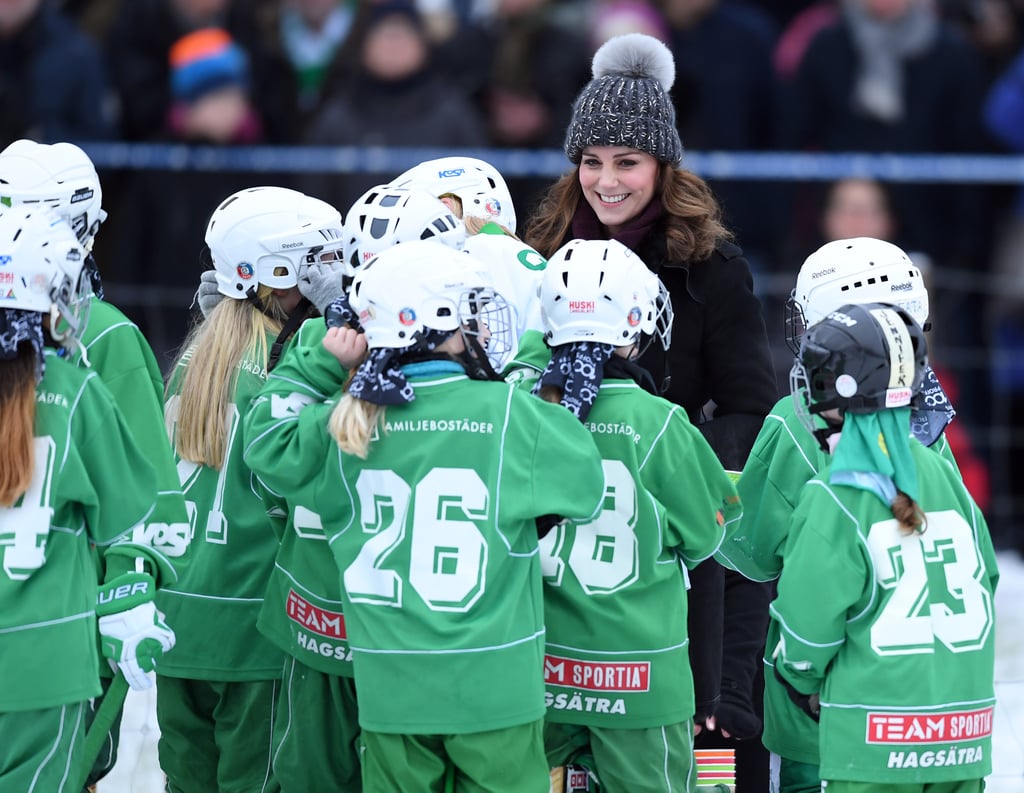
104, 719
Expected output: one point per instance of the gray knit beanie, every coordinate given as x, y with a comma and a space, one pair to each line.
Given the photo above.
627, 102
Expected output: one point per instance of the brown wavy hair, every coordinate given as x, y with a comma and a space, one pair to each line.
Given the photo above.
908, 514
693, 217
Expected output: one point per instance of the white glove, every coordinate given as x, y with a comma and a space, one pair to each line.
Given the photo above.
208, 296
133, 633
320, 282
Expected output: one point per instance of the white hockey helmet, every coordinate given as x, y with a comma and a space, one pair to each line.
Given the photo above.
420, 285
41, 269
385, 215
260, 236
600, 291
856, 270
477, 184
59, 176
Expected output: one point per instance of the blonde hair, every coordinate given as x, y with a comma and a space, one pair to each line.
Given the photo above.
18, 418
693, 217
212, 352
352, 423
474, 224
909, 515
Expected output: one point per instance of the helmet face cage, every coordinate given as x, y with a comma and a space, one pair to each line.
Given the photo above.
664, 316
854, 271
261, 236
488, 327
477, 185
43, 269
422, 285
69, 313
796, 323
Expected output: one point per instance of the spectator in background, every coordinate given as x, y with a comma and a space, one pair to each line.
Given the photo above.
1004, 117
183, 77
396, 98
892, 76
303, 52
522, 64
728, 107
210, 90
53, 85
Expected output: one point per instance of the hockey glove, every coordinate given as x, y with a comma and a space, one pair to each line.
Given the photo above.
133, 633
208, 296
320, 283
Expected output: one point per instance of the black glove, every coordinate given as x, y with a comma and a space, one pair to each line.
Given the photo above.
735, 714
546, 523
808, 703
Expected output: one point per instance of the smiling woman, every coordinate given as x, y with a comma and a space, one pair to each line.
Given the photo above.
628, 186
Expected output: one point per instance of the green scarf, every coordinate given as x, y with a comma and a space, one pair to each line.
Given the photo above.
873, 454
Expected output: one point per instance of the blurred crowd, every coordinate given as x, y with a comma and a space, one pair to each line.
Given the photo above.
903, 76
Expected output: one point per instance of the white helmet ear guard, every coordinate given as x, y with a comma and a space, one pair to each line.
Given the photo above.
386, 215
59, 176
260, 236
856, 270
600, 291
42, 269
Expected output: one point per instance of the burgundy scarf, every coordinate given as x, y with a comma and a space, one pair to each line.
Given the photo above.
586, 226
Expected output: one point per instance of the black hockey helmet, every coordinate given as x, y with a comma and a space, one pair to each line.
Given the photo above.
860, 359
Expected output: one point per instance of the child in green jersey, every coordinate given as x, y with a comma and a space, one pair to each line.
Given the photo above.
784, 458
62, 177
427, 478
219, 688
619, 686
884, 615
316, 729
72, 479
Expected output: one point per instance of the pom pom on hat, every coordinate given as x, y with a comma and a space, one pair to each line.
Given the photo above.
627, 102
205, 60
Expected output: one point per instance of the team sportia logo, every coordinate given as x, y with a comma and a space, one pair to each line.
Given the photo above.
245, 271
407, 316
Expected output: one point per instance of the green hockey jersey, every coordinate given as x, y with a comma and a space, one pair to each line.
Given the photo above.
897, 632
435, 541
214, 605
119, 353
615, 601
91, 485
302, 610
784, 458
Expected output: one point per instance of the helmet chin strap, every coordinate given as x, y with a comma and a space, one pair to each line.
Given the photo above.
254, 298
822, 434
478, 365
295, 318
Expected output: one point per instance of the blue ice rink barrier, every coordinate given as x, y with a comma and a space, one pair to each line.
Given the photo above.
514, 163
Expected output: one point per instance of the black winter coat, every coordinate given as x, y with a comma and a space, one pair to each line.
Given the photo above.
720, 353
